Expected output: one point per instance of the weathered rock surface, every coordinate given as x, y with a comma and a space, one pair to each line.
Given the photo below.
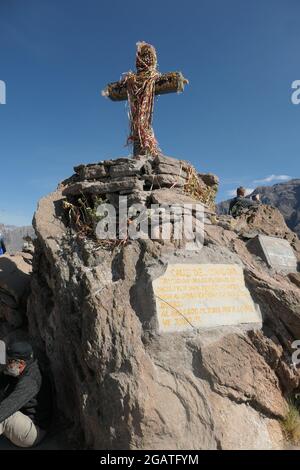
115, 186
138, 174
14, 287
122, 385
14, 236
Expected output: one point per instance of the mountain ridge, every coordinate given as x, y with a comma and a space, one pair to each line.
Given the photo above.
13, 236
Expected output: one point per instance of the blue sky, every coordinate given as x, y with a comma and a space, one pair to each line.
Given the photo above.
234, 119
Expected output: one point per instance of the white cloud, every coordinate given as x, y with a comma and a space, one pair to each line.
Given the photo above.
272, 178
232, 192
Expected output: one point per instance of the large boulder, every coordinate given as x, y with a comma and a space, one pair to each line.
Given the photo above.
120, 383
15, 273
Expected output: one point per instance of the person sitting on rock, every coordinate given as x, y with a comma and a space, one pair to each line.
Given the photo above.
2, 245
25, 399
240, 203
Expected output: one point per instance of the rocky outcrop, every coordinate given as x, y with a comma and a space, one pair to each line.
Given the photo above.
286, 198
141, 174
14, 236
15, 273
119, 382
283, 196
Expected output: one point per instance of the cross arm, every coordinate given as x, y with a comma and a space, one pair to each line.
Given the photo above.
170, 82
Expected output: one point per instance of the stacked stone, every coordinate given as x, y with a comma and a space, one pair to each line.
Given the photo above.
136, 177
161, 180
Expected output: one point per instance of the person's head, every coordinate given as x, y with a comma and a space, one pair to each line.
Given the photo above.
18, 354
256, 197
241, 192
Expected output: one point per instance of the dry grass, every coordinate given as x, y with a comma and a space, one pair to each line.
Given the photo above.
83, 219
291, 424
198, 191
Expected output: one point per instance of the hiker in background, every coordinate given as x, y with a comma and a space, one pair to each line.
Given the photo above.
25, 398
240, 202
2, 245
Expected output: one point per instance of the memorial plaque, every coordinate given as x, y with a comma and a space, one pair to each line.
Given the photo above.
192, 296
277, 252
2, 353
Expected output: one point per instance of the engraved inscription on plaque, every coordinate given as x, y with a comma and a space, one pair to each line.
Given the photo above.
278, 253
203, 295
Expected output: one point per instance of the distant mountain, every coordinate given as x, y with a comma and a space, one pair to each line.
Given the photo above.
284, 196
14, 236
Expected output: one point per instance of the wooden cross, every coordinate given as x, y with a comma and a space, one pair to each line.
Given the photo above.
139, 89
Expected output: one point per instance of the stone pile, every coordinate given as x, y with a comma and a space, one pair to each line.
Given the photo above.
139, 176
161, 181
